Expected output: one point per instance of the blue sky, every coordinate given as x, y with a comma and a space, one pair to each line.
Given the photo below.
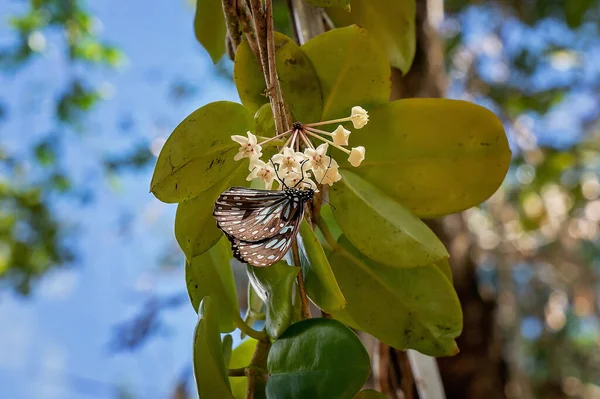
54, 345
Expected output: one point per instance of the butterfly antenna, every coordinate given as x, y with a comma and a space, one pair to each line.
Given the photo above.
324, 200
275, 168
301, 170
325, 174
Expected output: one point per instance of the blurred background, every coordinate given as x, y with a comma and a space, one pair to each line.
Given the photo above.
92, 294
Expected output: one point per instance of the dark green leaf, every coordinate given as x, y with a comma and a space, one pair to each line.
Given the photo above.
209, 27
317, 359
352, 68
199, 153
210, 275
381, 228
369, 394
227, 348
412, 308
209, 366
320, 282
274, 286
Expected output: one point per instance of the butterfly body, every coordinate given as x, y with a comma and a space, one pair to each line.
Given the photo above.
261, 224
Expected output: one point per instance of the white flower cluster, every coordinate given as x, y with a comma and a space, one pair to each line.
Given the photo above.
291, 165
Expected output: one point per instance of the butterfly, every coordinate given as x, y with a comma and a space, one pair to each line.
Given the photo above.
261, 224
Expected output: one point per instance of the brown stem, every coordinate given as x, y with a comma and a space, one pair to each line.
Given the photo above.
247, 25
241, 372
232, 22
256, 372
303, 297
407, 375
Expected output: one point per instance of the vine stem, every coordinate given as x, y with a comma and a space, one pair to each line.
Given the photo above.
300, 279
249, 331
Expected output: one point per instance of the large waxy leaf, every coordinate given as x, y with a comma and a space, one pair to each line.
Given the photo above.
317, 359
330, 3
241, 357
352, 68
381, 228
209, 27
391, 22
434, 156
254, 311
210, 275
320, 282
414, 308
199, 153
196, 229
297, 77
209, 365
274, 286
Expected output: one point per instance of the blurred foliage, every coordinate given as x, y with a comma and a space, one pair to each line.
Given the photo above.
535, 64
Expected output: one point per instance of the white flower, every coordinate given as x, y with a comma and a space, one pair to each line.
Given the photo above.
357, 155
359, 117
328, 176
340, 136
318, 158
263, 171
289, 160
249, 147
292, 178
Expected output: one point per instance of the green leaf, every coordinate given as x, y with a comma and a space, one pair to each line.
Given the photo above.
330, 3
241, 357
199, 153
209, 365
209, 27
391, 22
265, 123
254, 311
444, 266
227, 348
317, 359
434, 156
210, 275
297, 76
369, 394
352, 68
274, 286
196, 230
320, 282
381, 228
415, 308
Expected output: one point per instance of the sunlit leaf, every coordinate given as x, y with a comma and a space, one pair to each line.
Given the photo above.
352, 68
317, 359
411, 308
265, 123
391, 22
434, 156
299, 82
210, 275
380, 227
241, 357
274, 286
195, 226
320, 282
199, 153
209, 27
330, 3
209, 366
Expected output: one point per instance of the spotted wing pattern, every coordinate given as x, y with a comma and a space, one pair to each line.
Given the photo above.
261, 224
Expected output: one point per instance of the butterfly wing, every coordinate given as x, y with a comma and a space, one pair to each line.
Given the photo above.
269, 251
251, 215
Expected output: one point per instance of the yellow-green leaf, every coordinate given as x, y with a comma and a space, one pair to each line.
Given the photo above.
274, 286
241, 357
353, 70
199, 153
209, 365
209, 27
320, 282
411, 308
391, 22
330, 3
195, 226
210, 275
380, 227
434, 156
297, 77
